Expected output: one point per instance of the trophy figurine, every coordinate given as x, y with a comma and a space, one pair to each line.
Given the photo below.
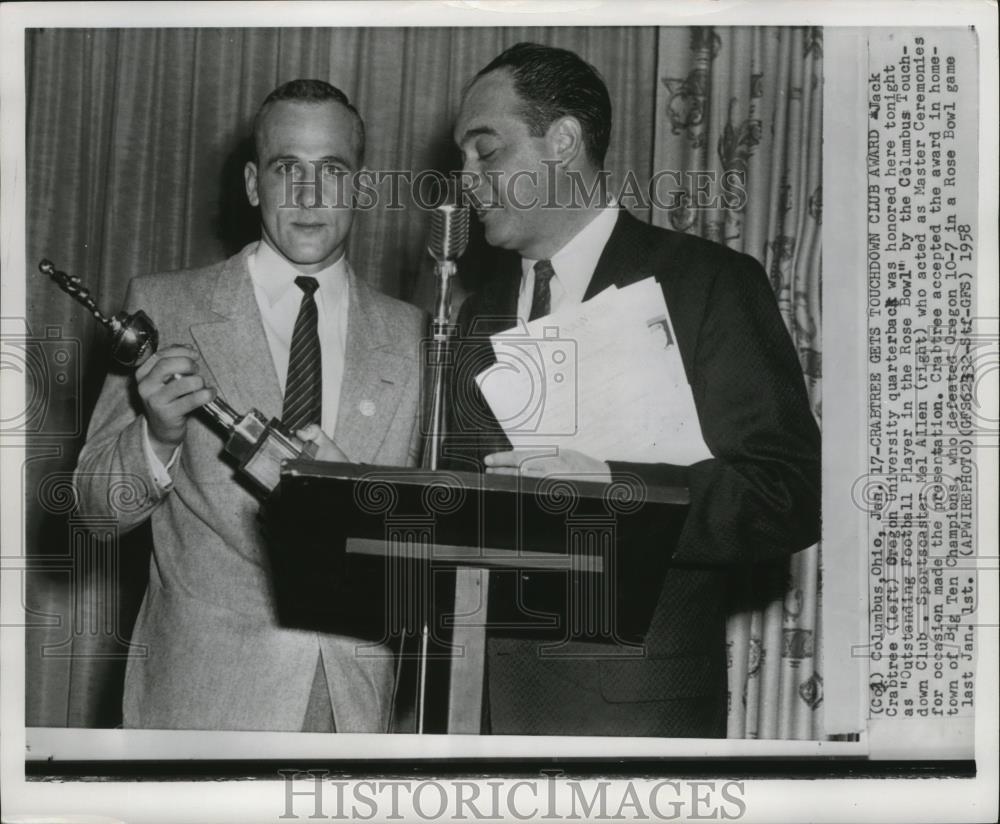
256, 444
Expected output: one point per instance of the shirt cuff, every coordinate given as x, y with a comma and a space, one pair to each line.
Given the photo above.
160, 473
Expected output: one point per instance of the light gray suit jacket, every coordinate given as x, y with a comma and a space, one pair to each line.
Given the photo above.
208, 651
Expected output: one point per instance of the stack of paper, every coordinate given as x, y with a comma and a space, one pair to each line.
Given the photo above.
603, 377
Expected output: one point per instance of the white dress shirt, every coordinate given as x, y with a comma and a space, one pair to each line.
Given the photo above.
278, 299
574, 265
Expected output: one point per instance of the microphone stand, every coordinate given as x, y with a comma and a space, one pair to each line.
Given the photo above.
257, 444
449, 237
444, 270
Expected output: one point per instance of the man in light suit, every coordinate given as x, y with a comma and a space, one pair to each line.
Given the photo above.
287, 327
530, 119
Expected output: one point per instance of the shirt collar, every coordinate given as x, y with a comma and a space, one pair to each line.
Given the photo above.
576, 262
274, 275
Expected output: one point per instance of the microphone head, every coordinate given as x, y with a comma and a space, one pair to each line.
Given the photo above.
449, 232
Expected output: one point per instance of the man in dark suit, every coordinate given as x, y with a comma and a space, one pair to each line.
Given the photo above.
531, 121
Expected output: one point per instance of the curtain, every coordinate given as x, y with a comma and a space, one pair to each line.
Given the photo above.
135, 152
747, 103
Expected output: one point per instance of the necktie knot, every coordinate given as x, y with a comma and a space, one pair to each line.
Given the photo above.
307, 284
541, 296
544, 270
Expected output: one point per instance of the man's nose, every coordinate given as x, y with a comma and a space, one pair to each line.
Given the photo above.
472, 170
305, 194
471, 181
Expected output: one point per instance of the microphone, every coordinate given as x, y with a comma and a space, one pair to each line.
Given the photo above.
447, 243
449, 232
449, 237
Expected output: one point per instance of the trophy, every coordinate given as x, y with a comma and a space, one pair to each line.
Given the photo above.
257, 445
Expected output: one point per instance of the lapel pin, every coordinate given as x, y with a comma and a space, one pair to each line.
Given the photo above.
367, 408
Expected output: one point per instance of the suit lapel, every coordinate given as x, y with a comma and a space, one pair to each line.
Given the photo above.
498, 309
625, 259
374, 376
495, 307
234, 346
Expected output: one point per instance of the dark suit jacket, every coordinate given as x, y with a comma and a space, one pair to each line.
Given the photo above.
754, 502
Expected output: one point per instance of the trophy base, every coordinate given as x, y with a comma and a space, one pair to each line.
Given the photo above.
261, 447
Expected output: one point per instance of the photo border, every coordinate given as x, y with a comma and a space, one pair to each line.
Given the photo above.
773, 799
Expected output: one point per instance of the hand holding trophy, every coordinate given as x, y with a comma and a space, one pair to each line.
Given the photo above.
258, 446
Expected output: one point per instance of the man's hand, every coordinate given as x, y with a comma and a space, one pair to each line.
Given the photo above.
537, 464
171, 389
326, 450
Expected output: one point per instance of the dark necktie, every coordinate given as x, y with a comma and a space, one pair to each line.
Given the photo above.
303, 402
541, 295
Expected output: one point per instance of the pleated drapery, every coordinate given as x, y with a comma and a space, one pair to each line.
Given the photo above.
136, 140
746, 104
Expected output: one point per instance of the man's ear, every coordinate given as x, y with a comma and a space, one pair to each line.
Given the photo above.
565, 136
250, 179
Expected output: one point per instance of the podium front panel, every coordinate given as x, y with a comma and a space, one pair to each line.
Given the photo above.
369, 549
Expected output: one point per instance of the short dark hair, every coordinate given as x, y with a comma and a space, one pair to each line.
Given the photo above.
307, 91
554, 83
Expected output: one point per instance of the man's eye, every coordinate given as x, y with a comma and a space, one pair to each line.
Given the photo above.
287, 166
487, 155
330, 170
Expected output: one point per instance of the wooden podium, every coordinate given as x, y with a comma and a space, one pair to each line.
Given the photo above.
363, 550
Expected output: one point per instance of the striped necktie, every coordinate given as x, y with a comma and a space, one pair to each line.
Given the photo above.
541, 295
303, 402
